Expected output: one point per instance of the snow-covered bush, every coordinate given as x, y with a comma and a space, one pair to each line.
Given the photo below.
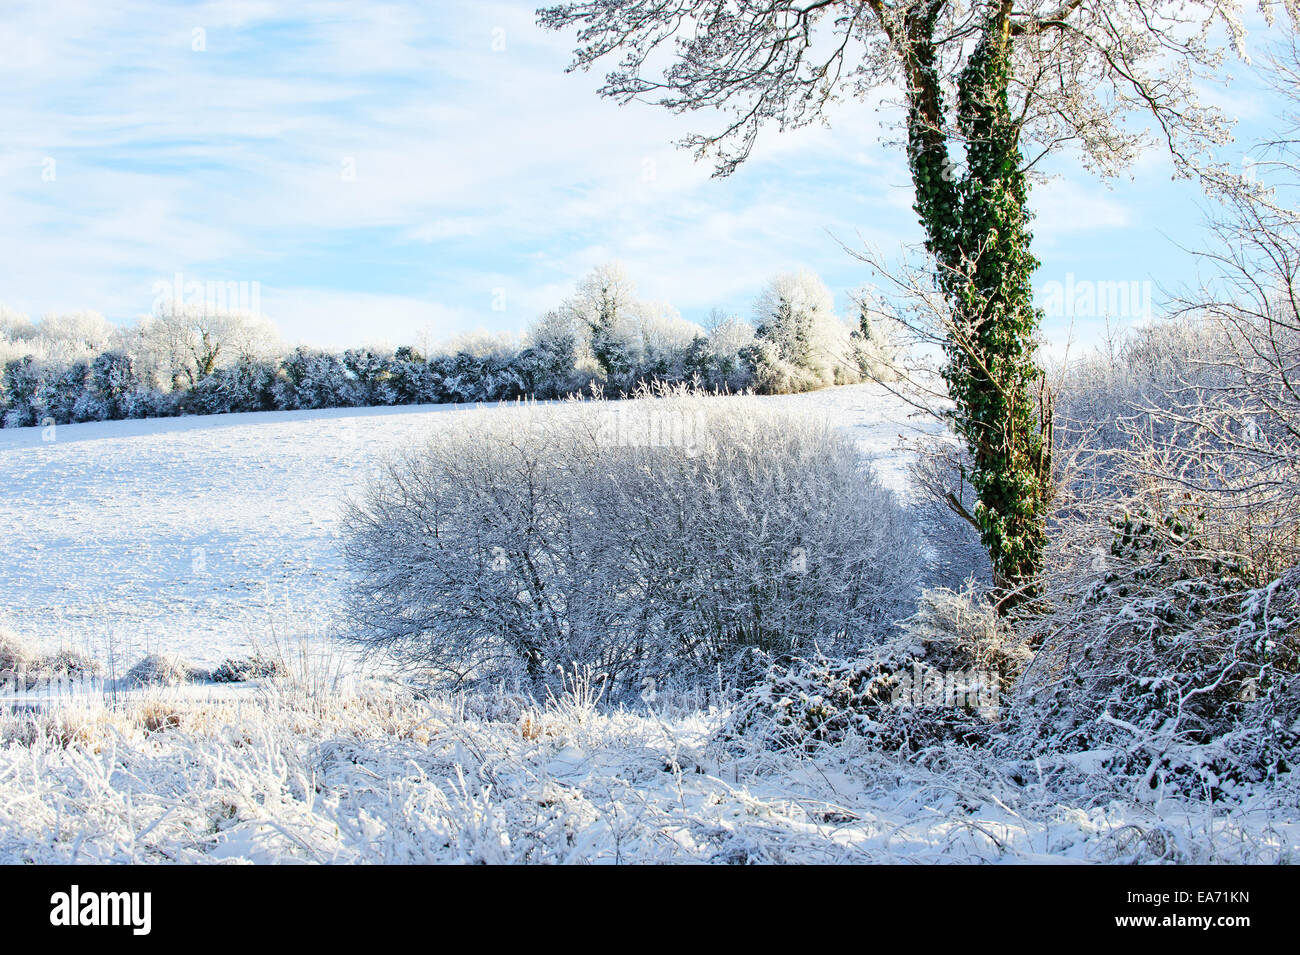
1167, 653
16, 654
875, 346
774, 375
412, 380
470, 375
24, 398
163, 669
1169, 628
555, 361
941, 680
722, 360
315, 379
247, 385
373, 373
256, 667
75, 336
962, 630
67, 665
665, 535
64, 395
23, 666
890, 701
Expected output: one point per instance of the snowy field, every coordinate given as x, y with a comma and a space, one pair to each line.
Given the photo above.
207, 537
198, 535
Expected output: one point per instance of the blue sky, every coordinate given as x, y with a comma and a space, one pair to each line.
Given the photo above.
388, 172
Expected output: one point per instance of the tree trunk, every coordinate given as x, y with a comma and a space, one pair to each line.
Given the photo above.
977, 229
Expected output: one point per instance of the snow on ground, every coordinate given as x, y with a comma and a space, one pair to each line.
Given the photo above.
196, 535
385, 777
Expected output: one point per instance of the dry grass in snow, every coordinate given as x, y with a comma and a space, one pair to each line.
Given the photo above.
382, 775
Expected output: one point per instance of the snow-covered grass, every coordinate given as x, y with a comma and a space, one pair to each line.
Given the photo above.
385, 776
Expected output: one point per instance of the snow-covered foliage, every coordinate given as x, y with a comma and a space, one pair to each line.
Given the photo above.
556, 359
191, 359
664, 536
59, 339
630, 341
16, 654
219, 767
1168, 635
1120, 396
67, 666
163, 669
23, 665
386, 776
186, 343
960, 630
939, 681
257, 667
890, 702
1167, 653
801, 342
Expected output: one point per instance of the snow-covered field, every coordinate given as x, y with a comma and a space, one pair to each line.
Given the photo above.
196, 535
207, 536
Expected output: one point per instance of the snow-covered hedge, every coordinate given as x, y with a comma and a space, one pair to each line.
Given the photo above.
649, 538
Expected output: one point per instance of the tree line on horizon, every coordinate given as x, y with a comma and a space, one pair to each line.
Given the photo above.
194, 360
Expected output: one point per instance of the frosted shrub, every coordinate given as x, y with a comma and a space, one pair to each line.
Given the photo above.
256, 667
940, 681
961, 629
891, 701
1168, 628
661, 536
67, 665
163, 669
1167, 651
22, 666
16, 654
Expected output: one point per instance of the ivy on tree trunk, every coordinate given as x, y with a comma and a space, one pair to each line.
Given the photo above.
976, 222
